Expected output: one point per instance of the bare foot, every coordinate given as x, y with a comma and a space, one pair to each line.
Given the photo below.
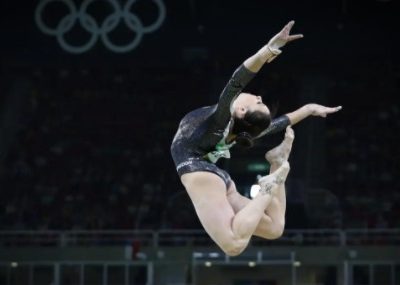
270, 182
280, 154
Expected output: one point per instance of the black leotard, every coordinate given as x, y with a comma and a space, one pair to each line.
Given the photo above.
200, 139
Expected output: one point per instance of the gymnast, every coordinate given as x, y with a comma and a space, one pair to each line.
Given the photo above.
206, 134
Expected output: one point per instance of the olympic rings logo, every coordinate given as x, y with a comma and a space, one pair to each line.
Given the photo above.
89, 23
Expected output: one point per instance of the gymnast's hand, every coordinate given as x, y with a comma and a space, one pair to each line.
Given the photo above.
322, 111
272, 49
283, 37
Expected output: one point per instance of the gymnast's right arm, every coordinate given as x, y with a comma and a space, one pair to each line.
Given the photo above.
248, 69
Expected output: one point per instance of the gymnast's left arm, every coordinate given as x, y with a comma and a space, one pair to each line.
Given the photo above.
272, 49
280, 123
311, 110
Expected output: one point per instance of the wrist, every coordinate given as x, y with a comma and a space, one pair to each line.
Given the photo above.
268, 53
309, 109
274, 49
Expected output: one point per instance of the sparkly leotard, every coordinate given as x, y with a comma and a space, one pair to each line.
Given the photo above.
200, 139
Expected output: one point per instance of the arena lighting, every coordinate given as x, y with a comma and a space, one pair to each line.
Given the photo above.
14, 264
257, 167
213, 254
353, 253
197, 254
252, 263
296, 263
208, 263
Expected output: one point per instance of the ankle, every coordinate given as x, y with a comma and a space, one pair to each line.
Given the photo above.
274, 166
268, 190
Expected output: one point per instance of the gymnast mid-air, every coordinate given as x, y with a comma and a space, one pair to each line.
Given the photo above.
206, 134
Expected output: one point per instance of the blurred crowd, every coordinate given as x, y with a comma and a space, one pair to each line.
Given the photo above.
363, 156
92, 151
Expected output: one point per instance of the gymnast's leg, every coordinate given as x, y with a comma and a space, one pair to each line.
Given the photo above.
277, 208
230, 230
272, 224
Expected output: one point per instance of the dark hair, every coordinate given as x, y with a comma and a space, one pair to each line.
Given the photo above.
249, 127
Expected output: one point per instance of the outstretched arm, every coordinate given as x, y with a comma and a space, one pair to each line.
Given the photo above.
271, 50
280, 123
311, 110
247, 71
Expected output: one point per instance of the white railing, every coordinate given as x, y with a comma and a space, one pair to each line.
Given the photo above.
171, 238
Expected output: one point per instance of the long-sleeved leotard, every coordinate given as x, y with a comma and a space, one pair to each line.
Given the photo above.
200, 139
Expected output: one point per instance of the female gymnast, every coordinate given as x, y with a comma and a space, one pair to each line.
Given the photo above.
207, 134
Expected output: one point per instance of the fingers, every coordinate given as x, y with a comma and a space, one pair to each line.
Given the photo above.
295, 37
323, 111
289, 26
336, 109
286, 30
332, 110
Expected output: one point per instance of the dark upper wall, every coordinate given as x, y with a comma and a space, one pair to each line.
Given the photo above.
334, 30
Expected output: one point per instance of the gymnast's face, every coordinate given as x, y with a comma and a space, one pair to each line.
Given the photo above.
246, 102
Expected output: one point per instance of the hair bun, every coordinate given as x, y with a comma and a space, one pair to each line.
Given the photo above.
244, 139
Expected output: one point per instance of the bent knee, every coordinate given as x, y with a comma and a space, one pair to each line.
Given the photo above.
276, 230
234, 247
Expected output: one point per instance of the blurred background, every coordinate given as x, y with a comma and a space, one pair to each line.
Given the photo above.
92, 92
